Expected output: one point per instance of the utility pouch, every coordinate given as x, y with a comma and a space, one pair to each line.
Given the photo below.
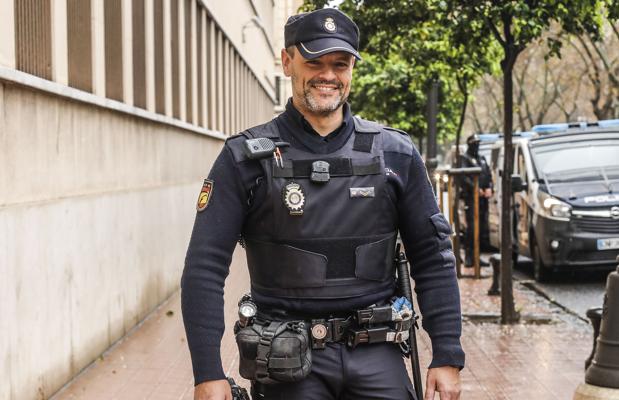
274, 351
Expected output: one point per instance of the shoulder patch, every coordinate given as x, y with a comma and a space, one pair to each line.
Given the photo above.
205, 195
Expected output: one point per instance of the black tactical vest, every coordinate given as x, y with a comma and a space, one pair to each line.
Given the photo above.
323, 235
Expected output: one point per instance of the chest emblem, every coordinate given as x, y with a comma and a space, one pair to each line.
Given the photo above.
294, 198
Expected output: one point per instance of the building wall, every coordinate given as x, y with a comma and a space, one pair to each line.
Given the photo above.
103, 147
96, 212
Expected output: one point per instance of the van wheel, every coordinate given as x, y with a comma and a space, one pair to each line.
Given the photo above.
541, 273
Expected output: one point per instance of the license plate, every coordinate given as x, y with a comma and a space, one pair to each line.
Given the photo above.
608, 244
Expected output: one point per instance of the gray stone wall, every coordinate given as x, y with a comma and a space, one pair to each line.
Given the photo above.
96, 209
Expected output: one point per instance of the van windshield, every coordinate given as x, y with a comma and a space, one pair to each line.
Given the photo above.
577, 161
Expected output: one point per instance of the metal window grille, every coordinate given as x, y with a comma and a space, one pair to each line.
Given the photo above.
113, 50
139, 53
79, 44
33, 47
159, 61
200, 65
176, 107
188, 61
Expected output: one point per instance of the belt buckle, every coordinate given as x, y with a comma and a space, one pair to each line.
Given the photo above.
319, 330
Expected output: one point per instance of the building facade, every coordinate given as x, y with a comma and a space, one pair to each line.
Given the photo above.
111, 114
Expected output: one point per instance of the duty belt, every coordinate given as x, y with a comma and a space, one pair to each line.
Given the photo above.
371, 325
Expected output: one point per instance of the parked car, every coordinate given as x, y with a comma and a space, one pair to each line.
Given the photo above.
495, 160
566, 197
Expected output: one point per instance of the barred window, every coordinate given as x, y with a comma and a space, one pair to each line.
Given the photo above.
113, 50
188, 62
79, 42
139, 53
33, 45
176, 106
159, 61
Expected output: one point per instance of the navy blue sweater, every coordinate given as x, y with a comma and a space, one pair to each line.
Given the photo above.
218, 228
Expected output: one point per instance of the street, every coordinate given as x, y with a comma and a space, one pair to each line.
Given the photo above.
576, 291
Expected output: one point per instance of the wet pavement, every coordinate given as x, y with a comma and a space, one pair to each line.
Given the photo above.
540, 359
576, 291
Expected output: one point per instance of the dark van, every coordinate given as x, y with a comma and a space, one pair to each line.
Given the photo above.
567, 214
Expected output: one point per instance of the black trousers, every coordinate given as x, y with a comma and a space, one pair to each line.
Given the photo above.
368, 372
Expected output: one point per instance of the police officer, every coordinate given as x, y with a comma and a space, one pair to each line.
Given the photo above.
471, 158
319, 219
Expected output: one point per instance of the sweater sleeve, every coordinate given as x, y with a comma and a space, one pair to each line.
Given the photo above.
426, 237
215, 234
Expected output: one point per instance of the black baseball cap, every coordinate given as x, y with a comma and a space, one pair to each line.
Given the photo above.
321, 32
474, 138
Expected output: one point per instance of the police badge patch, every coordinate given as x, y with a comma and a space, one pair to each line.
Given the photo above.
294, 198
205, 195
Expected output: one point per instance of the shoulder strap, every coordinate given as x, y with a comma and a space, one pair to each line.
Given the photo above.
364, 134
365, 126
396, 130
268, 130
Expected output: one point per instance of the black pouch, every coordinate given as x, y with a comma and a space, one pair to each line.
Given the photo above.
274, 351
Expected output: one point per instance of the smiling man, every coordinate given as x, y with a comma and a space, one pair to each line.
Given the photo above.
317, 198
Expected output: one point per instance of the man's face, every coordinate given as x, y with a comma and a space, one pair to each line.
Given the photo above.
322, 85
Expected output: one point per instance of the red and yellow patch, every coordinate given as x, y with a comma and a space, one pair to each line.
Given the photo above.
205, 195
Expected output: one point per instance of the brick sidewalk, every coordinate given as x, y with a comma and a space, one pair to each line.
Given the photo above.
536, 361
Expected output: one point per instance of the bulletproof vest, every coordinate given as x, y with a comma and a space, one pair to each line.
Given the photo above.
326, 227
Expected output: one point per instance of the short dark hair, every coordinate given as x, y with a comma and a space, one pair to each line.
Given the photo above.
290, 51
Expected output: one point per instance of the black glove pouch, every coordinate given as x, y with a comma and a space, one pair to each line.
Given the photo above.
274, 351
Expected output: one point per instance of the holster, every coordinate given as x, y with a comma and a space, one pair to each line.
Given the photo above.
274, 351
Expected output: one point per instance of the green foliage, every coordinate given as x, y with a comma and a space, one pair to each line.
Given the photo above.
392, 91
516, 24
613, 10
408, 43
404, 49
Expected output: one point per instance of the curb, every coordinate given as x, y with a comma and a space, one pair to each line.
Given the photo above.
530, 284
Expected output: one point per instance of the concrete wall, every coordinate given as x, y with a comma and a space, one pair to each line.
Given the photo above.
96, 209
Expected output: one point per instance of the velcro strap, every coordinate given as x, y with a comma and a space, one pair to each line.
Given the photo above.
284, 363
363, 142
337, 167
263, 359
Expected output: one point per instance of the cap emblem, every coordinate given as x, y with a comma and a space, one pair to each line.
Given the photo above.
330, 25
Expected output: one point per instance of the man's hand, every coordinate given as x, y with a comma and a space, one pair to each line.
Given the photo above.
445, 380
213, 390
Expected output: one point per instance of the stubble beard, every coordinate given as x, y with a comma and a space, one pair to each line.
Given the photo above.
320, 108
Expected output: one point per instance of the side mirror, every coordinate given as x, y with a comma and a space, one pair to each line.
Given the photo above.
517, 184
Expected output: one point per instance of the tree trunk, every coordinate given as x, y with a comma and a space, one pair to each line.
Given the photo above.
465, 92
508, 311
